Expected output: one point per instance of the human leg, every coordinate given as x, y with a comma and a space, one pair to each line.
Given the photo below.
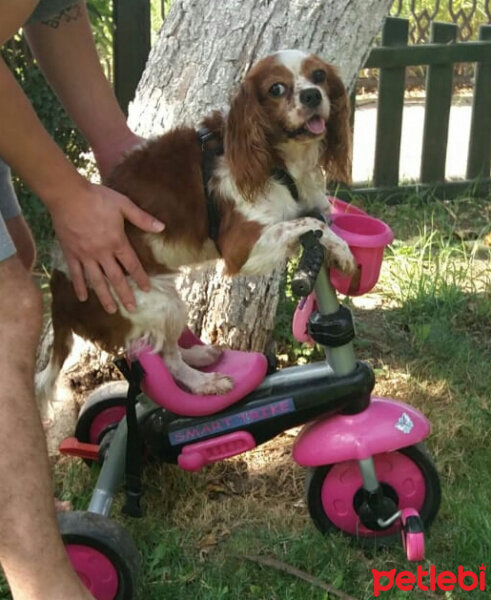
31, 552
15, 235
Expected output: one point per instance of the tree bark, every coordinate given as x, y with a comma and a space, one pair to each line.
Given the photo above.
202, 52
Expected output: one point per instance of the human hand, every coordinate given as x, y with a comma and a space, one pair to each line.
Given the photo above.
90, 228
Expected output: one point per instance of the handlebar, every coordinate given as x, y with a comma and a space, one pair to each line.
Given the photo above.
310, 263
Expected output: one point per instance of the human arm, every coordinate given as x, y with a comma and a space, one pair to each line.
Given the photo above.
65, 51
88, 219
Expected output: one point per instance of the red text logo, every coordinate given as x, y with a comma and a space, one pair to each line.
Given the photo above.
429, 580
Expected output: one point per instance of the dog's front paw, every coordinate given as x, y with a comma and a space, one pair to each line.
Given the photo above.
341, 258
214, 384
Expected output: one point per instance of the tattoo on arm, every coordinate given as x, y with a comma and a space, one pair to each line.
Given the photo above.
71, 13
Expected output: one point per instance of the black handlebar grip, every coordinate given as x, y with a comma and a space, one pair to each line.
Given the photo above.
310, 263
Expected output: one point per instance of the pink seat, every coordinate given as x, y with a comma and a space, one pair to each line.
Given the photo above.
247, 369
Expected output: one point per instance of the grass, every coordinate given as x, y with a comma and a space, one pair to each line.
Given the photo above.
426, 330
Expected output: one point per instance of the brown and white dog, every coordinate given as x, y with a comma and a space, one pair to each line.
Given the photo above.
260, 167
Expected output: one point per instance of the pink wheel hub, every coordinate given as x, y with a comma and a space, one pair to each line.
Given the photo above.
106, 418
95, 570
344, 479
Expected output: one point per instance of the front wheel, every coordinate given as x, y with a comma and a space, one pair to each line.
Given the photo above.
408, 477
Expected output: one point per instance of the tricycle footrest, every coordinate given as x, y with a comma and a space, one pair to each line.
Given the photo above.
195, 456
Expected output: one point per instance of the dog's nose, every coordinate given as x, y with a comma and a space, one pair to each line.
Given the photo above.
311, 97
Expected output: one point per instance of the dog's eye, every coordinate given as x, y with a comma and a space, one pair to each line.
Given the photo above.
277, 90
318, 76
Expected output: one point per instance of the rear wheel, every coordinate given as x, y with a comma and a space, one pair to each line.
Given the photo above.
102, 554
102, 412
408, 479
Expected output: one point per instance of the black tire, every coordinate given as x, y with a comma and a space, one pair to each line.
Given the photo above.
431, 503
106, 396
98, 534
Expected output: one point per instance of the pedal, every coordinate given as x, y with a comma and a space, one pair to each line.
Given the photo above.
413, 537
72, 447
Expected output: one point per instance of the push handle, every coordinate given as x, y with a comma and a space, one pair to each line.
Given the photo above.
311, 261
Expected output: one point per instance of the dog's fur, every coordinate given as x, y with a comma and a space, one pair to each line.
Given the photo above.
291, 112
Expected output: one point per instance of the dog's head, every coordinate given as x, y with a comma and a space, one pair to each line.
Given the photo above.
288, 97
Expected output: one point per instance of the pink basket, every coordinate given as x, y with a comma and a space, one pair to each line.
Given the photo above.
367, 237
339, 207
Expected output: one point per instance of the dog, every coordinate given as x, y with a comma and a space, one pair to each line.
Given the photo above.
237, 189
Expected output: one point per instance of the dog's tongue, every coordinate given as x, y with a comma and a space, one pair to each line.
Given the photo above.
316, 125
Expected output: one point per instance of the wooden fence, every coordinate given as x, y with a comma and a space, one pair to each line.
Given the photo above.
132, 45
440, 55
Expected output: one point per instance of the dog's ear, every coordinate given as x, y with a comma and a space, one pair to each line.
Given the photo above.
248, 150
337, 157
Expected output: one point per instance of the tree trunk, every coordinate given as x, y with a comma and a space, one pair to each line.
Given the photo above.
202, 52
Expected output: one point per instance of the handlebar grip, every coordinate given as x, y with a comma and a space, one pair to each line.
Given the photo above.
310, 263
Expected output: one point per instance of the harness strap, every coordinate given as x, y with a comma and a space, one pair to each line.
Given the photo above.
210, 153
133, 464
283, 177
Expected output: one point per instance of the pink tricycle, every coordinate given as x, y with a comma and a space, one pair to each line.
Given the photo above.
368, 476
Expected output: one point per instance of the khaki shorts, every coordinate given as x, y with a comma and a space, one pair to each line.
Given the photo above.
9, 208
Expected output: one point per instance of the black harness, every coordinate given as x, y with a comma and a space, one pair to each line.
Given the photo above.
211, 148
282, 176
210, 151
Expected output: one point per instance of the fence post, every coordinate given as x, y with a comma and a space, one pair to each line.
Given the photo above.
389, 108
131, 45
439, 84
479, 157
